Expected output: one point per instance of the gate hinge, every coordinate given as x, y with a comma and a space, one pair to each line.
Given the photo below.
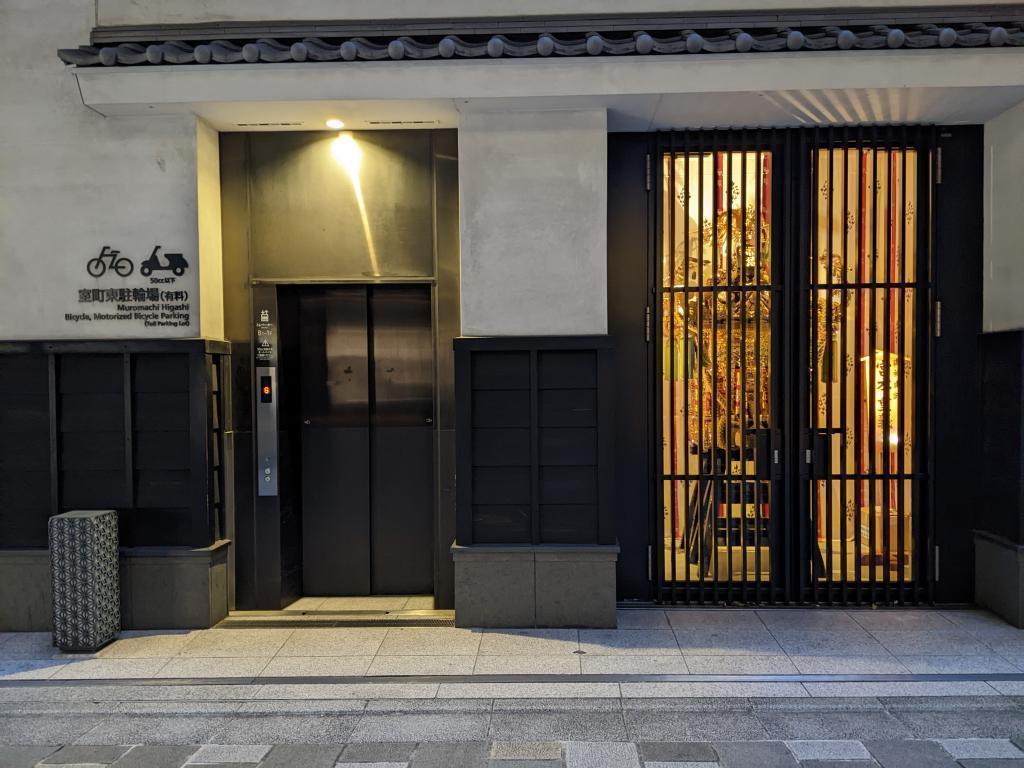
650, 563
936, 562
938, 165
938, 319
647, 175
647, 323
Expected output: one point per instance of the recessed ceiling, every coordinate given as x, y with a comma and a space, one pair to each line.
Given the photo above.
640, 112
313, 115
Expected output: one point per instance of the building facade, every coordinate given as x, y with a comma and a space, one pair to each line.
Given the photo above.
531, 307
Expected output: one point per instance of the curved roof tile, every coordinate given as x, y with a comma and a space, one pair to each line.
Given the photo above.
498, 46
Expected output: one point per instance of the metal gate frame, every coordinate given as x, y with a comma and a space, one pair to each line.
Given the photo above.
794, 182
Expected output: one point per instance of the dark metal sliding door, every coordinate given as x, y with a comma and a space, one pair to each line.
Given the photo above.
402, 463
792, 277
719, 380
367, 449
335, 442
864, 298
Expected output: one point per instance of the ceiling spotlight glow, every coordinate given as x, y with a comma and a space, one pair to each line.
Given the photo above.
335, 124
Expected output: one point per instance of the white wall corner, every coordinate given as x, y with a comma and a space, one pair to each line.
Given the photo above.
533, 189
1004, 209
209, 252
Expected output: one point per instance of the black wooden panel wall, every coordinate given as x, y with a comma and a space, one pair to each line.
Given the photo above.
133, 426
24, 449
533, 440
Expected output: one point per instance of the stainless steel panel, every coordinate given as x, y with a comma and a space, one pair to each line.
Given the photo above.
403, 356
266, 435
341, 206
335, 373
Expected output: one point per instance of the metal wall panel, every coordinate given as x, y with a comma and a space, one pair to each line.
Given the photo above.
335, 410
341, 207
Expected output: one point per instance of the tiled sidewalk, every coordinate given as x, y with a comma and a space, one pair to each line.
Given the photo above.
946, 753
648, 641
235, 725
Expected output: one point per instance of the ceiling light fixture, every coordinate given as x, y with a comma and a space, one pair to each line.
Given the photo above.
335, 124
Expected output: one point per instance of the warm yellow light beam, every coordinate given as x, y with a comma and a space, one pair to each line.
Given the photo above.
349, 155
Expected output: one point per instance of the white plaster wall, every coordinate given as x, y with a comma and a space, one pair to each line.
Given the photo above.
114, 12
72, 181
533, 217
1004, 211
210, 245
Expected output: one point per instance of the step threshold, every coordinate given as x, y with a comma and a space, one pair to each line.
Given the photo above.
289, 619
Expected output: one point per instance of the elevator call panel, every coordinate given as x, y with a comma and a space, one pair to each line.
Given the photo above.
265, 358
266, 431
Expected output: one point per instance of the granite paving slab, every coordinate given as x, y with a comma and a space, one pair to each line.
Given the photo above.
316, 666
961, 724
692, 619
909, 753
564, 664
530, 642
833, 725
641, 619
147, 644
302, 756
81, 754
187, 667
625, 642
754, 754
323, 728
472, 754
421, 665
382, 752
677, 752
692, 726
828, 749
430, 641
154, 729
727, 642
32, 730
230, 753
953, 642
237, 643
634, 665
149, 756
421, 727
960, 749
331, 641
24, 757
592, 754
526, 750
557, 726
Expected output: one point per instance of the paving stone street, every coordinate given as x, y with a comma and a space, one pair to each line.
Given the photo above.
679, 689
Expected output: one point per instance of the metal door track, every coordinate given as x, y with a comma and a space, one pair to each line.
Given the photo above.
292, 619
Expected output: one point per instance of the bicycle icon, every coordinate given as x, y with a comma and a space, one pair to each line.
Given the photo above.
109, 259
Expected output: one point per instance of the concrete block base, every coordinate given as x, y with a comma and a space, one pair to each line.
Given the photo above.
534, 585
160, 588
25, 599
999, 576
174, 588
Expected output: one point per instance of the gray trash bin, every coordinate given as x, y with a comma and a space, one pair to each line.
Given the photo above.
85, 579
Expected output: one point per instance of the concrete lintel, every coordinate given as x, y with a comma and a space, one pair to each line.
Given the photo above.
150, 90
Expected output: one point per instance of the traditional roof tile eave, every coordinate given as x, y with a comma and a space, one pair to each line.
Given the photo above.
624, 42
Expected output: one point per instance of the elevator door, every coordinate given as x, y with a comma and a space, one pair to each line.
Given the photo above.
367, 440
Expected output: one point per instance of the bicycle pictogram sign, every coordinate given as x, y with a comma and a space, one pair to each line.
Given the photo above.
108, 258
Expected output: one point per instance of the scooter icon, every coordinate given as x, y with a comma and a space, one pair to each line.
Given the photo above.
98, 265
175, 263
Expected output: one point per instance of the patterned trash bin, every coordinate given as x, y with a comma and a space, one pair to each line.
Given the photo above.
85, 579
